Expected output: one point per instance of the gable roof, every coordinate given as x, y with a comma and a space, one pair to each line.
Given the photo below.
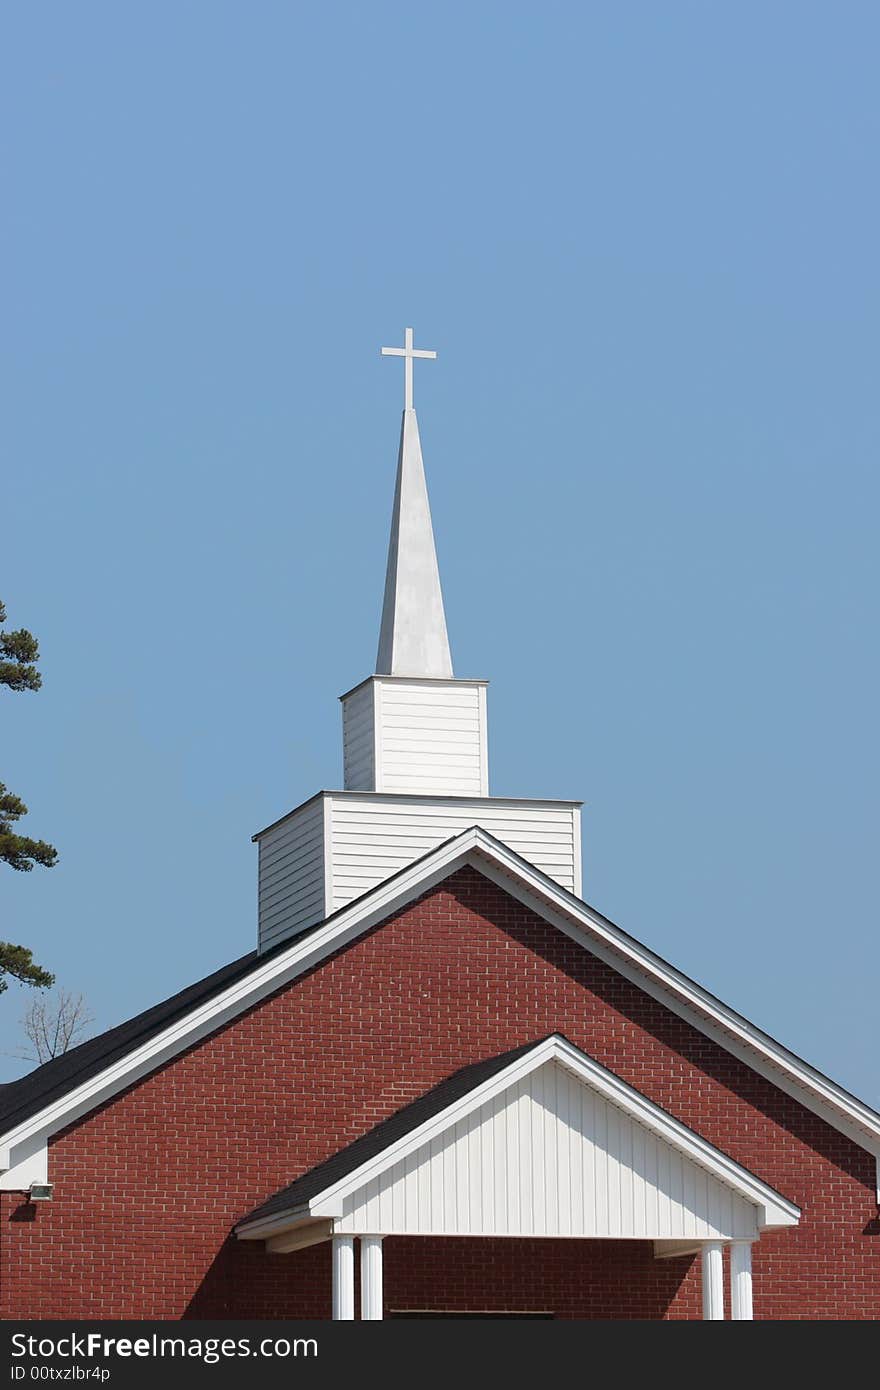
378, 1139
437, 1113
47, 1100
29, 1094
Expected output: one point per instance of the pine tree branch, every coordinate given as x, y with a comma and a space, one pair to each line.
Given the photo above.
18, 962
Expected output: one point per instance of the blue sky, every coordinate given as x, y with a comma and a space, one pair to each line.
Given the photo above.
643, 240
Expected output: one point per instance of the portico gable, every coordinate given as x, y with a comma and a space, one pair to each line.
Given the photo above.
542, 1141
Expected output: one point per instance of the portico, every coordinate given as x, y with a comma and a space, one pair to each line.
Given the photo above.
540, 1142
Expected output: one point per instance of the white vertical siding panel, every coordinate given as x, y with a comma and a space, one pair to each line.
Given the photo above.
386, 1205
562, 1121
625, 1176
525, 1139
707, 1203
485, 1148
576, 1155
397, 1182
549, 1157
551, 1152
686, 1196
536, 1131
423, 1187
738, 1217
356, 1217
501, 1187
513, 1149
373, 1206
719, 1212
744, 1218
676, 1185
634, 1186
590, 1175
462, 1188
478, 1136
436, 1216
612, 1153
600, 1154
664, 1201
651, 1204
450, 1204
667, 1174
691, 1199
411, 1191
728, 1212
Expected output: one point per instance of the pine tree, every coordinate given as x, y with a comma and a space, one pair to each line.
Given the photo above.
19, 652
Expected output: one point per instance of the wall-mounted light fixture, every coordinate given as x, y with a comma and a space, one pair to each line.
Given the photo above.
40, 1192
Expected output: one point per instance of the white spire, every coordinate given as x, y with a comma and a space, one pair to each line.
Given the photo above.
413, 640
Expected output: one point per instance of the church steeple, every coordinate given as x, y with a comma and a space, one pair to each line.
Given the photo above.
413, 639
415, 747
412, 727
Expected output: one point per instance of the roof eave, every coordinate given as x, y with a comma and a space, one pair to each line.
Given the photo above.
559, 907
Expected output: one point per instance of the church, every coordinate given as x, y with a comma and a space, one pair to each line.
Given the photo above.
442, 1085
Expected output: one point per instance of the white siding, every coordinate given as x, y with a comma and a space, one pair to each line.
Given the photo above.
373, 837
291, 874
339, 845
431, 737
549, 1156
358, 739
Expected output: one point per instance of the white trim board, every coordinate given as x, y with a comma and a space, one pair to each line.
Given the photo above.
773, 1210
558, 907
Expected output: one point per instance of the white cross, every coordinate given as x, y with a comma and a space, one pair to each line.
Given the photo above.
407, 352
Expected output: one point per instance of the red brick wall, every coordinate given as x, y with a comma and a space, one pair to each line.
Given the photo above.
148, 1188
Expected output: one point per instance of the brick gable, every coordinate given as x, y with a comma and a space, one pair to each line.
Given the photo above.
149, 1186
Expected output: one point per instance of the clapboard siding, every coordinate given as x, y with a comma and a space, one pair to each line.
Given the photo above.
291, 874
358, 739
341, 844
420, 736
416, 774
430, 737
375, 836
551, 1157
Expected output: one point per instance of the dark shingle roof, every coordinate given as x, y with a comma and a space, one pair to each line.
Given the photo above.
26, 1097
376, 1140
23, 1098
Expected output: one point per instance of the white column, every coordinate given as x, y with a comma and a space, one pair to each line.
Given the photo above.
371, 1278
741, 1280
343, 1278
713, 1280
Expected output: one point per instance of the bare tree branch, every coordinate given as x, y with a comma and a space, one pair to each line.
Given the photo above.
53, 1024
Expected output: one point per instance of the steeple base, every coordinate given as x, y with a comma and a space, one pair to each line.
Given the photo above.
339, 845
414, 734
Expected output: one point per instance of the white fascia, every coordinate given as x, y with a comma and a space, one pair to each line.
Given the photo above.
683, 996
773, 1210
534, 889
342, 928
31, 1165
